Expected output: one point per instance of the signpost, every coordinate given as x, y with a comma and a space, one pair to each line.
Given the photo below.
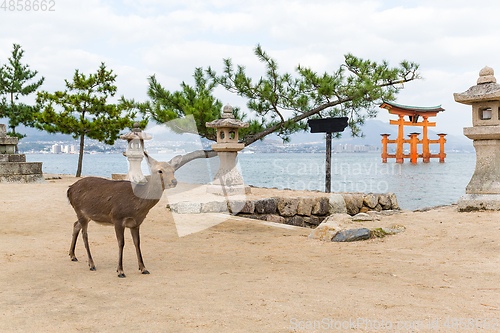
328, 126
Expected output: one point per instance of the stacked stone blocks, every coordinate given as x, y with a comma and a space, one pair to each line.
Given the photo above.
300, 211
13, 167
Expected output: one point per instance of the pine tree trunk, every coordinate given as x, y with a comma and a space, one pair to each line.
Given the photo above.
80, 157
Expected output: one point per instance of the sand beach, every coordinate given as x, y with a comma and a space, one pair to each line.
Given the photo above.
441, 274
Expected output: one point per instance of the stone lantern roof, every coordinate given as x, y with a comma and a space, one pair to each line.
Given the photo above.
136, 134
486, 89
227, 120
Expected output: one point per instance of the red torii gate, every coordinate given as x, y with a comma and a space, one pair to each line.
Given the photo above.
413, 112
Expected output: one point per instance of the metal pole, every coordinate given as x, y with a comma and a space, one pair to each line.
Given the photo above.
328, 165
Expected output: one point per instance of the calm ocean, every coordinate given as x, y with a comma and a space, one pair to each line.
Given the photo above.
415, 185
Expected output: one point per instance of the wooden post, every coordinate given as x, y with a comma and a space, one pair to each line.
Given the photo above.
442, 141
400, 140
425, 143
328, 165
385, 138
413, 147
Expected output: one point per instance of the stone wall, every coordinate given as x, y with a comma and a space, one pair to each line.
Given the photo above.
301, 211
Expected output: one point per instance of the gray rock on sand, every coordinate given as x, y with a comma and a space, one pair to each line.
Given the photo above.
352, 235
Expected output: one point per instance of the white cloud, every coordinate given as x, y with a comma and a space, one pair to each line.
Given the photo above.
170, 38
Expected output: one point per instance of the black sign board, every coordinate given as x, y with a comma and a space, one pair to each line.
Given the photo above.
328, 125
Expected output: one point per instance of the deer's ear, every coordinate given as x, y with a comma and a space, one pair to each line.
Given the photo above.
176, 162
151, 161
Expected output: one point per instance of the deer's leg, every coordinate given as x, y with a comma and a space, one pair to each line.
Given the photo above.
137, 243
85, 237
76, 230
120, 230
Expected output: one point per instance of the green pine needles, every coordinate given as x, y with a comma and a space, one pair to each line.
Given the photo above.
281, 103
15, 81
82, 110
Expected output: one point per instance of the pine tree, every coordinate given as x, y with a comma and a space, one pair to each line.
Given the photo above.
14, 78
280, 103
283, 102
83, 110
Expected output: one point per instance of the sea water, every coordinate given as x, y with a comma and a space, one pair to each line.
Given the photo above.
415, 185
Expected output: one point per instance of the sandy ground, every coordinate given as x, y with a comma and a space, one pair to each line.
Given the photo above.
241, 275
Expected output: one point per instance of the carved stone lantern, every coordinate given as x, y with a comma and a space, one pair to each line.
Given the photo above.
135, 153
483, 190
228, 180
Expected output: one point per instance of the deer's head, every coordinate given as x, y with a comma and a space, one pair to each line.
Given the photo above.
161, 171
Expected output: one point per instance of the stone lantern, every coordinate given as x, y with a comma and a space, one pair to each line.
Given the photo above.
135, 153
228, 180
483, 190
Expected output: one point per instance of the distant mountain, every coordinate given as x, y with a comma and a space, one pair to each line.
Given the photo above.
372, 130
33, 134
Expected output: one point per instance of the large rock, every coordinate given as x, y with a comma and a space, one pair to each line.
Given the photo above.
394, 201
312, 220
305, 206
385, 201
214, 207
265, 206
336, 204
371, 200
343, 219
241, 206
361, 217
321, 207
288, 206
394, 229
274, 218
353, 202
186, 207
352, 235
296, 220
389, 230
326, 231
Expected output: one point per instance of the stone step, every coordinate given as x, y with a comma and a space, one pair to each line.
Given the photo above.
12, 158
20, 168
36, 178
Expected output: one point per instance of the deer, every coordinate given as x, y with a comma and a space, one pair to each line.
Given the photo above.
118, 203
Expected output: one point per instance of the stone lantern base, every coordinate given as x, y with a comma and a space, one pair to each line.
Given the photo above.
483, 190
474, 202
228, 180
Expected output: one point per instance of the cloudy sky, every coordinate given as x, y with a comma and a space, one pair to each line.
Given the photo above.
451, 40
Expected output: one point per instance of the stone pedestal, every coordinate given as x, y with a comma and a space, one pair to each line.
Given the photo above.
228, 180
483, 190
473, 202
13, 167
135, 174
486, 177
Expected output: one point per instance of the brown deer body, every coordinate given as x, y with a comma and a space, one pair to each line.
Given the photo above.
121, 204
